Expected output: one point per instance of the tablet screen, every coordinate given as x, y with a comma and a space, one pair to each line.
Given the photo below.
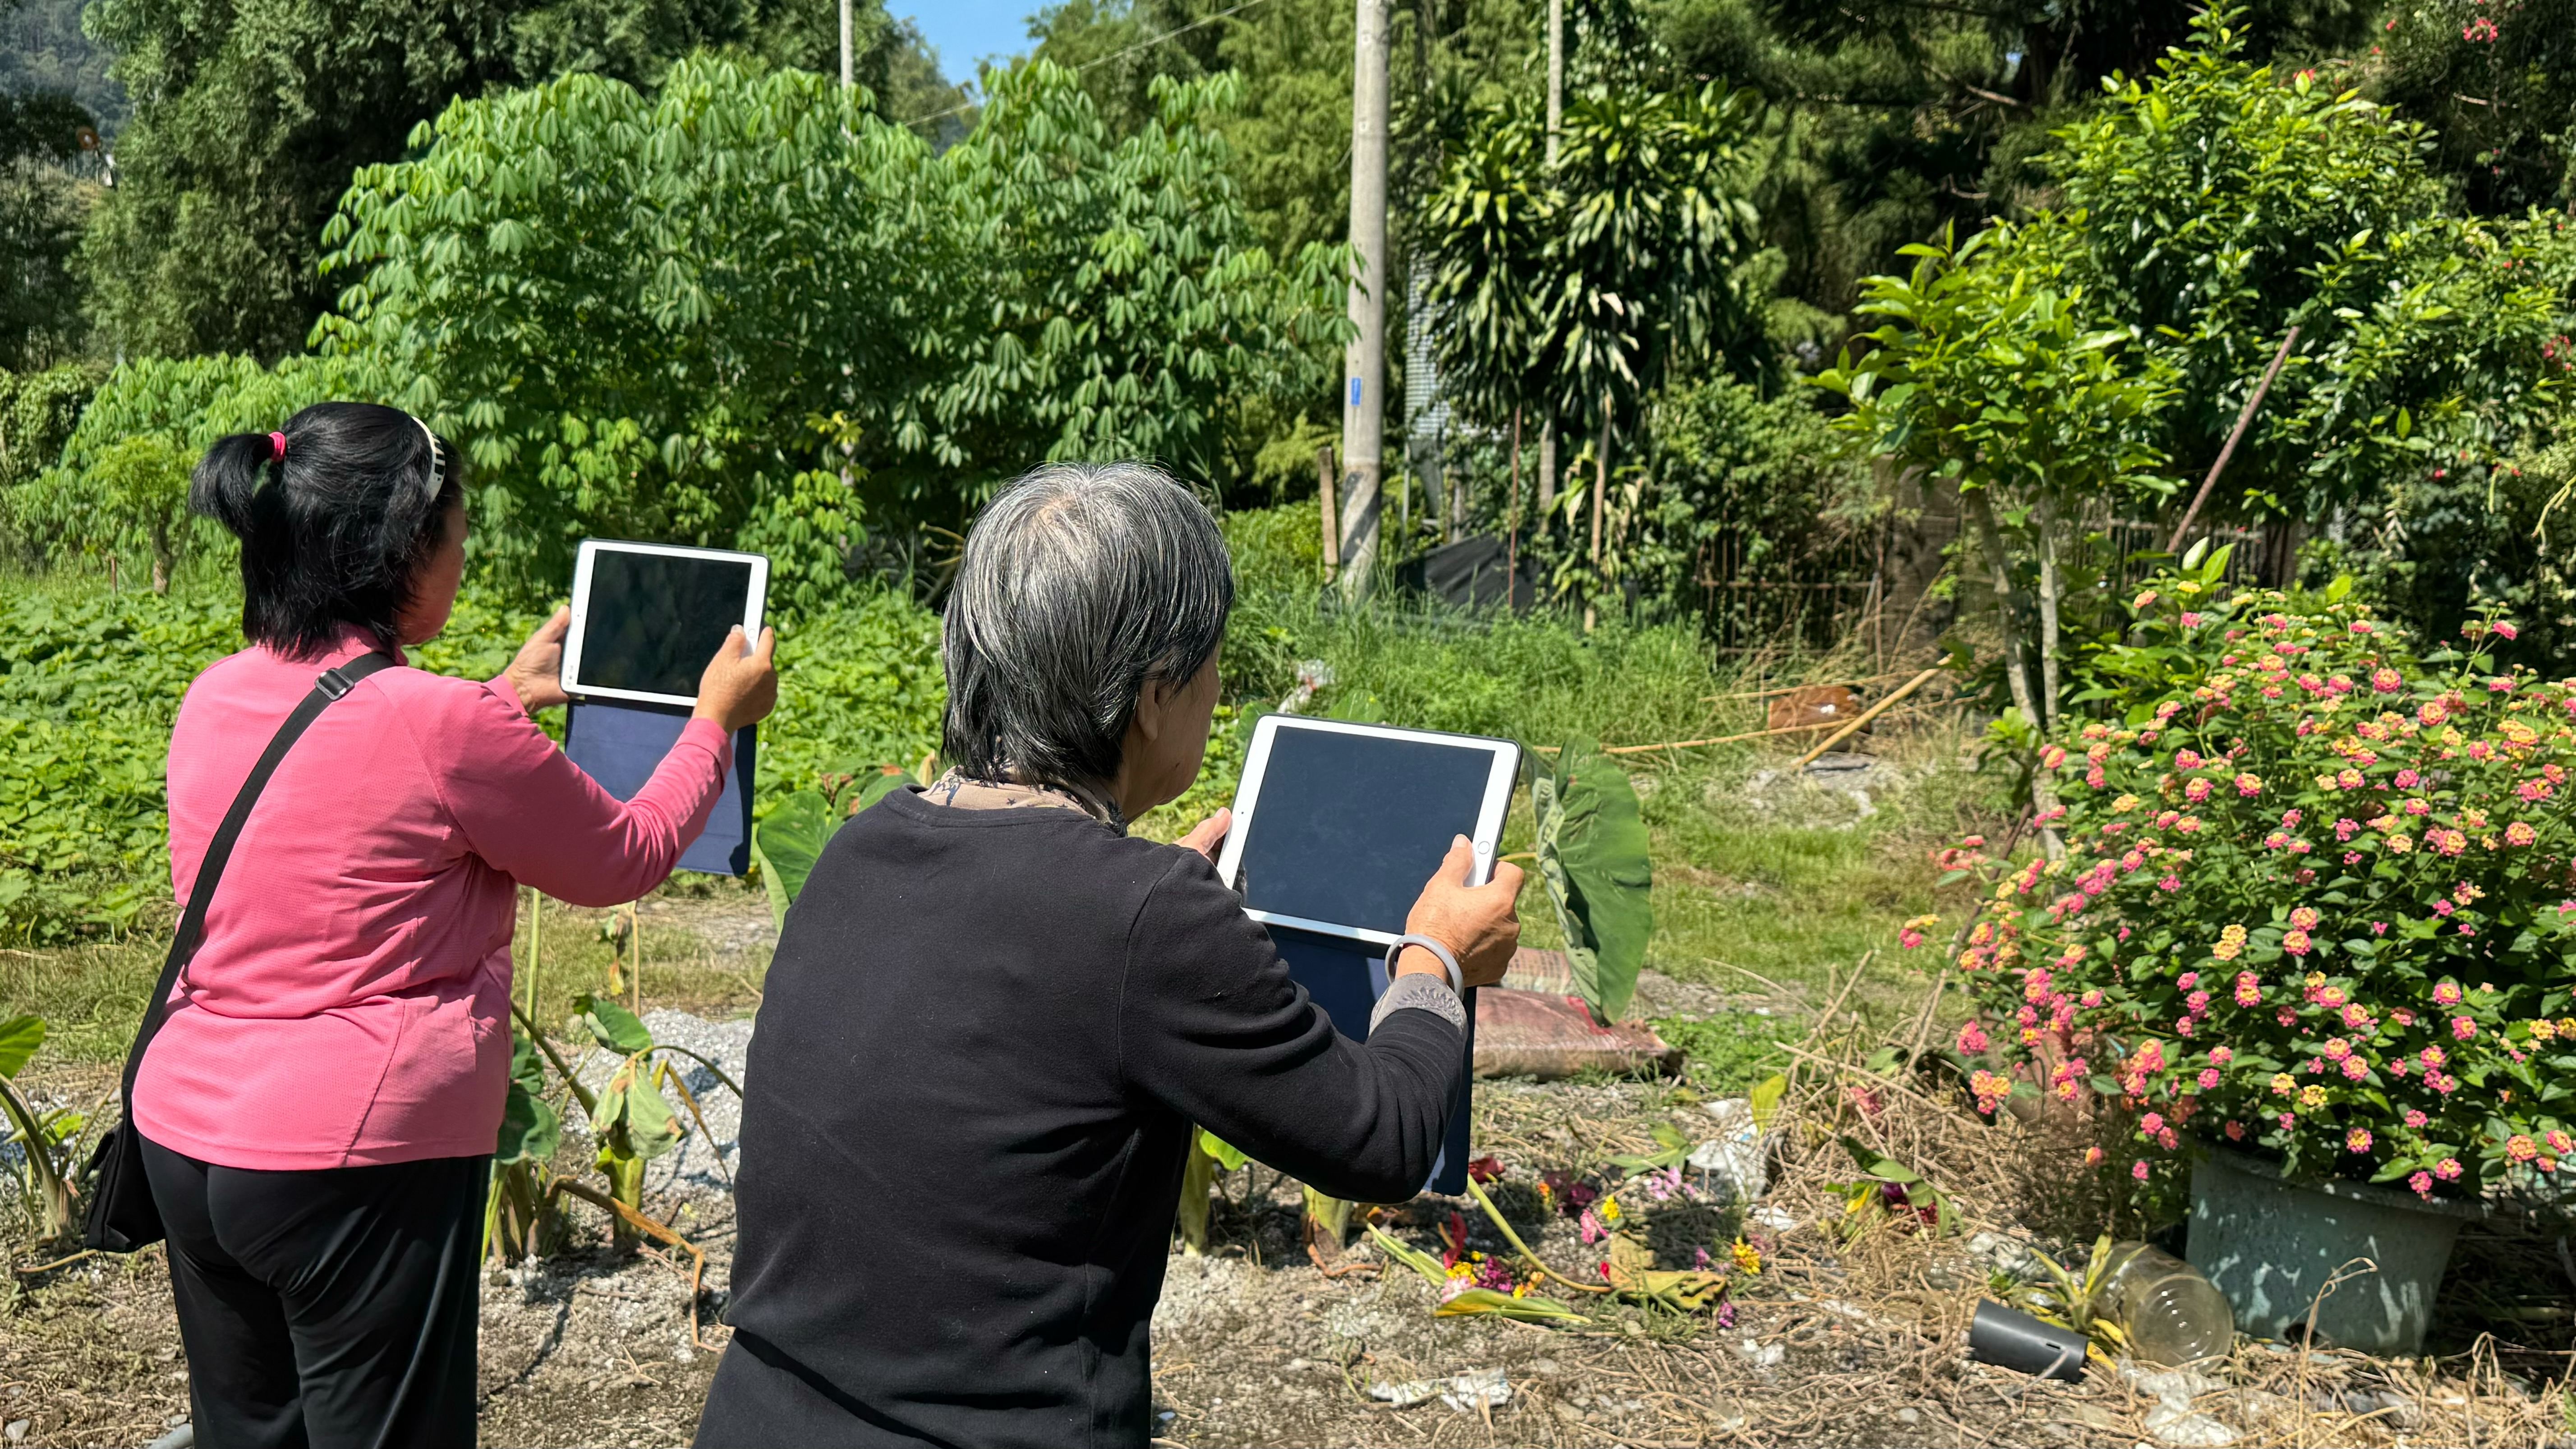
1348, 827
654, 620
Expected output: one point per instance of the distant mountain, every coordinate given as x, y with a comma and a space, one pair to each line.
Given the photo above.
42, 49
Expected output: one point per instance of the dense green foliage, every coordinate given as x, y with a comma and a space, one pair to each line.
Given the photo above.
1767, 475
2062, 370
745, 311
116, 488
90, 688
250, 121
90, 682
44, 200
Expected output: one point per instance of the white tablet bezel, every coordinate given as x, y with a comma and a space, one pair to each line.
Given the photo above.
753, 599
1489, 815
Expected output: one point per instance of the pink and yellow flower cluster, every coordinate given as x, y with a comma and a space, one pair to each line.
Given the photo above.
2315, 898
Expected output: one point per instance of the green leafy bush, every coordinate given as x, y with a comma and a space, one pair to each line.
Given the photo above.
90, 683
88, 688
745, 310
2315, 900
119, 482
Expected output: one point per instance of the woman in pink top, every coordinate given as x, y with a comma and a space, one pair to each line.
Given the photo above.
319, 1110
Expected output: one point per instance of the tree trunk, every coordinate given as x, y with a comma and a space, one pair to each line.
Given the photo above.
2009, 606
1546, 471
2052, 585
2015, 613
1600, 503
1325, 474
160, 555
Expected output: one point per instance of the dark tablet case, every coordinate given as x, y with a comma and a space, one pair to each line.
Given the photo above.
620, 745
1346, 977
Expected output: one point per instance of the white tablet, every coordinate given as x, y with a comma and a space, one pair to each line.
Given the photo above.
1337, 826
646, 617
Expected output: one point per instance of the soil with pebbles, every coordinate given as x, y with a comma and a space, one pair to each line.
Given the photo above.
1835, 1342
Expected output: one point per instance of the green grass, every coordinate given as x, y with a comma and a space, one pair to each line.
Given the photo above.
1727, 1053
1761, 892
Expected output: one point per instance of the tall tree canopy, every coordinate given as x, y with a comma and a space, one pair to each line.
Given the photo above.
250, 118
744, 310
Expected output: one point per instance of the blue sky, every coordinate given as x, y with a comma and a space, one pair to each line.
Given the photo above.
966, 31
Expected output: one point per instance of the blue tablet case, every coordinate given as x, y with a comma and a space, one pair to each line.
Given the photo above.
621, 744
1346, 978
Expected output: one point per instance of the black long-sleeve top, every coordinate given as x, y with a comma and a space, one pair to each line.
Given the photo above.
982, 1041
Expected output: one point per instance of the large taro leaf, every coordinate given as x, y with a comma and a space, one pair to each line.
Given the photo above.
883, 781
786, 843
611, 1025
529, 1126
19, 1038
1592, 854
631, 1119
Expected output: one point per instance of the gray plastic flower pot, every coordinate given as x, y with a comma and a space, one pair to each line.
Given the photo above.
2272, 1246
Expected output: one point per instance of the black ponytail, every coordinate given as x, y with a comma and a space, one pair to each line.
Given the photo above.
333, 532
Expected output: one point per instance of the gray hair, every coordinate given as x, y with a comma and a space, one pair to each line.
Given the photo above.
1080, 582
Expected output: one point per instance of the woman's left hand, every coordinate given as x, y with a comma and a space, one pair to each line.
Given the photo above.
537, 671
1208, 834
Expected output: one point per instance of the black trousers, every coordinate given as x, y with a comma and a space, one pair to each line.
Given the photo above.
333, 1309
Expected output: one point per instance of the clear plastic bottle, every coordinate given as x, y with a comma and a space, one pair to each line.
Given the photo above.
2171, 1313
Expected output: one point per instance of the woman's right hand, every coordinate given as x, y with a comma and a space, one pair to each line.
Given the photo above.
1480, 925
739, 689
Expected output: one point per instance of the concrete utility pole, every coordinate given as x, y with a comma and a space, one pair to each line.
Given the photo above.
1364, 364
1555, 122
847, 74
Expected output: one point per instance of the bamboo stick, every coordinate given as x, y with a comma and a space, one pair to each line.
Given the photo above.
1871, 713
1733, 739
2243, 420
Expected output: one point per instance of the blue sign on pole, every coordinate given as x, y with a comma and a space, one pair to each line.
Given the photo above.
1355, 392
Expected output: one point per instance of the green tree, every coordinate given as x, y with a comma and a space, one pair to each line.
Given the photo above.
251, 118
1996, 373
745, 310
2219, 202
1579, 289
43, 202
1898, 119
2495, 85
117, 485
626, 307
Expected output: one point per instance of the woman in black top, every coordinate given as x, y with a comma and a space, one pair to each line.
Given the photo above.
994, 1015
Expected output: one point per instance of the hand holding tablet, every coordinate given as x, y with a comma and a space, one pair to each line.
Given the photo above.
740, 685
1335, 825
1474, 921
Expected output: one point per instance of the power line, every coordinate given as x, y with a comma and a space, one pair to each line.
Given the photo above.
1113, 55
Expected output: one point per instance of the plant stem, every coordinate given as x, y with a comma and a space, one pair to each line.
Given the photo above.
1514, 1238
588, 1099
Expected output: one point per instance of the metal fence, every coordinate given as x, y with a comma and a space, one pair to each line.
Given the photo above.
1774, 602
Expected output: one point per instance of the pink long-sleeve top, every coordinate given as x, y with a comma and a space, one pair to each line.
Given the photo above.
350, 1003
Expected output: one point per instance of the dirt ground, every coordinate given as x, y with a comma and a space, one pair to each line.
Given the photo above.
1848, 1334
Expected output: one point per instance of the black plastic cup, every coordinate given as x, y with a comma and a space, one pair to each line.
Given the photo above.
2017, 1341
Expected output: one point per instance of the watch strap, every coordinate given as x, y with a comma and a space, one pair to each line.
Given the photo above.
1448, 960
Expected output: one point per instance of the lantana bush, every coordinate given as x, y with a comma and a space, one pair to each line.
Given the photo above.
2315, 902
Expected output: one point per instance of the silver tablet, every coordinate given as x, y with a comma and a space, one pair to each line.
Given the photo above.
1337, 826
646, 617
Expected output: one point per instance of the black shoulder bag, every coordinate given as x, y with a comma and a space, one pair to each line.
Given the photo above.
121, 1215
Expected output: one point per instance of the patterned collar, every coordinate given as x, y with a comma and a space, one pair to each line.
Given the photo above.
963, 792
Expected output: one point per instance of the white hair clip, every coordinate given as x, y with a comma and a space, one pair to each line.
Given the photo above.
437, 461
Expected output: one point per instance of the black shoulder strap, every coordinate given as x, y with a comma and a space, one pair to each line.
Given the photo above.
329, 687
